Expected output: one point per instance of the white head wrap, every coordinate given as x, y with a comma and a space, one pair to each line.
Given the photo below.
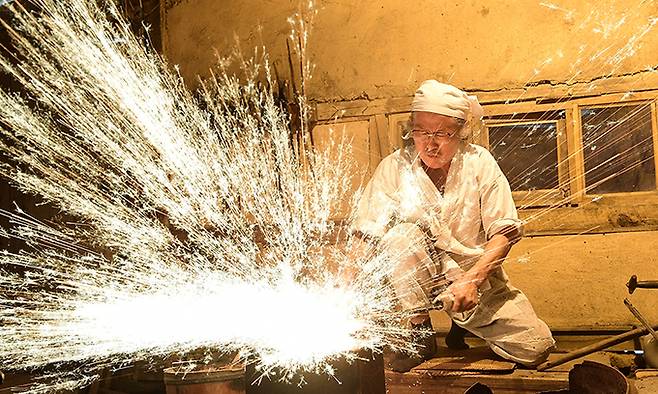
440, 98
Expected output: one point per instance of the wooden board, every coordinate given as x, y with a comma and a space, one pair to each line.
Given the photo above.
646, 373
646, 381
479, 359
466, 362
520, 381
501, 102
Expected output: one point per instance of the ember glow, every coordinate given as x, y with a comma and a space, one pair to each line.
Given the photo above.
199, 222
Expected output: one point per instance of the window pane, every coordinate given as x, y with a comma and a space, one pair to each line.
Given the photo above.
618, 149
527, 154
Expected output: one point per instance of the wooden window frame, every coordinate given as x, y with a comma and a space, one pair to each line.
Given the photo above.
579, 191
540, 197
573, 178
587, 212
396, 123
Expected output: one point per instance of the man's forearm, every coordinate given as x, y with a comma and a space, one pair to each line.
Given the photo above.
495, 252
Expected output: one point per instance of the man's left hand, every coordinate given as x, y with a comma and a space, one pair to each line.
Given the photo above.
466, 295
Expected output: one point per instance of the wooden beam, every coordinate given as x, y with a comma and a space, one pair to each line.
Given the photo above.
537, 198
562, 158
592, 218
379, 140
505, 101
361, 107
654, 131
520, 381
575, 148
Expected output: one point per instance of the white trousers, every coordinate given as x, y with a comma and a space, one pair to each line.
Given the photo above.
503, 318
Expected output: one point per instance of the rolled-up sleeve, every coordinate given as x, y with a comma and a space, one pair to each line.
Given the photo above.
379, 201
496, 203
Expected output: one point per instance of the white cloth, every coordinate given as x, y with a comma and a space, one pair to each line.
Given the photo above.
440, 98
504, 317
476, 204
401, 206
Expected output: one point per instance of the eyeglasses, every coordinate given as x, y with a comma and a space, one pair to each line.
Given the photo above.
426, 135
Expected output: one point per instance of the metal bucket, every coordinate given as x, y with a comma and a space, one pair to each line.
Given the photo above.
650, 347
594, 378
208, 379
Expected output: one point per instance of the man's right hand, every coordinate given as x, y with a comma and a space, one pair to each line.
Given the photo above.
466, 295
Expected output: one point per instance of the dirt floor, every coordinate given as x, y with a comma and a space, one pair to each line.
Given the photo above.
457, 371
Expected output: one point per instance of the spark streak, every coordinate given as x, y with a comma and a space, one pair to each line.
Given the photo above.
211, 214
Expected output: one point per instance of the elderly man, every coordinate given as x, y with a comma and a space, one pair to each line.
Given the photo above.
444, 210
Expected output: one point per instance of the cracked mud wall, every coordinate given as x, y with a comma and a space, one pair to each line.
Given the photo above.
385, 48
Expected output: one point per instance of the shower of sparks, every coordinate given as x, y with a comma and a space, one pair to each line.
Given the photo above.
202, 221
198, 223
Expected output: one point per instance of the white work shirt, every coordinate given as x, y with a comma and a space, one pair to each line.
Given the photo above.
476, 204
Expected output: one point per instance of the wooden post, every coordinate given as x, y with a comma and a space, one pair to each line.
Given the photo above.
576, 156
654, 132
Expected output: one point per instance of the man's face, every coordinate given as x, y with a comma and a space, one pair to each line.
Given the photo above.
436, 151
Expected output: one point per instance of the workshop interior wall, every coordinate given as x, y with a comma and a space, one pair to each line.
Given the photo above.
384, 48
381, 50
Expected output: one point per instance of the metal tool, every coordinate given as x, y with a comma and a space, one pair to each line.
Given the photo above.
650, 347
441, 300
444, 300
608, 342
604, 344
641, 318
650, 350
633, 284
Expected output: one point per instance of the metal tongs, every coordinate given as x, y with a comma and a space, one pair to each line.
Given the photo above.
441, 300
